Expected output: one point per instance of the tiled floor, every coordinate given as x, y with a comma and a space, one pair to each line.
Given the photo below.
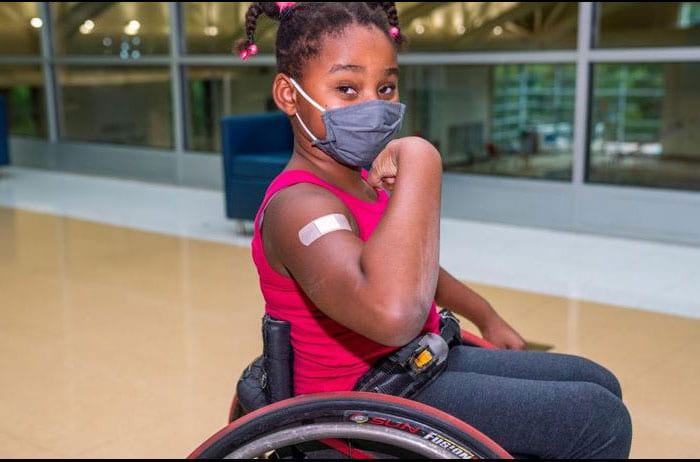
119, 342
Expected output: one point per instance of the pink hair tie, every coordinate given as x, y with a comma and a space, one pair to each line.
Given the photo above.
247, 53
394, 32
283, 5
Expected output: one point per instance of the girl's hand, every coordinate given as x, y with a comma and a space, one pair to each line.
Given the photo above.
385, 167
502, 335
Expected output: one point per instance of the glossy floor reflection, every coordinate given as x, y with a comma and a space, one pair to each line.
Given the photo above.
123, 343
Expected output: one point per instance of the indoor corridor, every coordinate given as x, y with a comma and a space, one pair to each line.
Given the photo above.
125, 342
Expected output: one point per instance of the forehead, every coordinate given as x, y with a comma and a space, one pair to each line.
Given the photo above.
357, 45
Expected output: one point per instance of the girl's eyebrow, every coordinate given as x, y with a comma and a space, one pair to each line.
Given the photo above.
392, 71
346, 67
360, 69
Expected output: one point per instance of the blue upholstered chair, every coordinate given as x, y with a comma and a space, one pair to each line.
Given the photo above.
4, 134
256, 147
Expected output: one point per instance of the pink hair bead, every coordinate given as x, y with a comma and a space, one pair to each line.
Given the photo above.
253, 49
245, 54
394, 32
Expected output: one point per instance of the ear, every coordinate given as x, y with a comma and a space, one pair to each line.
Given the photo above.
284, 94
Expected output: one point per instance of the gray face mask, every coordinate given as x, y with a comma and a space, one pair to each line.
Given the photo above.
356, 134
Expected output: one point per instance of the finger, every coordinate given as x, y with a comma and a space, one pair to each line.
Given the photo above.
374, 178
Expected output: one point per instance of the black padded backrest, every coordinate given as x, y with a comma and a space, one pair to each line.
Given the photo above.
268, 378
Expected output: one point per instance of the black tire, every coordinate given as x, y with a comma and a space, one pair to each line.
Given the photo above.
387, 426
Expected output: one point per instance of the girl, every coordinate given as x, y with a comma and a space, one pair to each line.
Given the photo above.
356, 272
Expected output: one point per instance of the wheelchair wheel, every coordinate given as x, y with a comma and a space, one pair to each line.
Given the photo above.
348, 424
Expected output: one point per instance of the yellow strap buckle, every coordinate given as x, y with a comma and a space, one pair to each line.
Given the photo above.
423, 358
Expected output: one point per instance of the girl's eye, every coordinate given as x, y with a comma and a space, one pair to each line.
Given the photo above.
387, 90
346, 90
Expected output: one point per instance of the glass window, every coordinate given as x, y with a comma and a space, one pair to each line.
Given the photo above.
649, 24
213, 27
23, 89
213, 92
513, 120
125, 29
20, 28
456, 26
119, 104
645, 125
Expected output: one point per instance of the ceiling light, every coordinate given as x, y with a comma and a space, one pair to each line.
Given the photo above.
132, 28
420, 29
36, 23
87, 27
211, 31
498, 30
439, 19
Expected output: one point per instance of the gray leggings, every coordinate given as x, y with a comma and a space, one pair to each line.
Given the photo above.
535, 404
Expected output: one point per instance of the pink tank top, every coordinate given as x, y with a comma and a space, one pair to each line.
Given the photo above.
327, 355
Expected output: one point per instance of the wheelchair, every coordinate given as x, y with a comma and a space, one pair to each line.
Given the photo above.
266, 421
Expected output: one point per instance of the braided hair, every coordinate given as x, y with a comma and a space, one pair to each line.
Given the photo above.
303, 26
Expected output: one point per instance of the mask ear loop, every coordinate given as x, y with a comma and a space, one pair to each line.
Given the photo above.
306, 129
306, 97
313, 103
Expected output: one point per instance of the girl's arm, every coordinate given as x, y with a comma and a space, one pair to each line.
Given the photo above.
382, 288
460, 299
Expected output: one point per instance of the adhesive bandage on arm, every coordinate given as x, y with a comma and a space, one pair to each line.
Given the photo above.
323, 225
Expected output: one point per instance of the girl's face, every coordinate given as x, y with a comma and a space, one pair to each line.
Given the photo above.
356, 66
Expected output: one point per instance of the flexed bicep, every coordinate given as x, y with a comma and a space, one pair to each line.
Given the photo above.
311, 236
